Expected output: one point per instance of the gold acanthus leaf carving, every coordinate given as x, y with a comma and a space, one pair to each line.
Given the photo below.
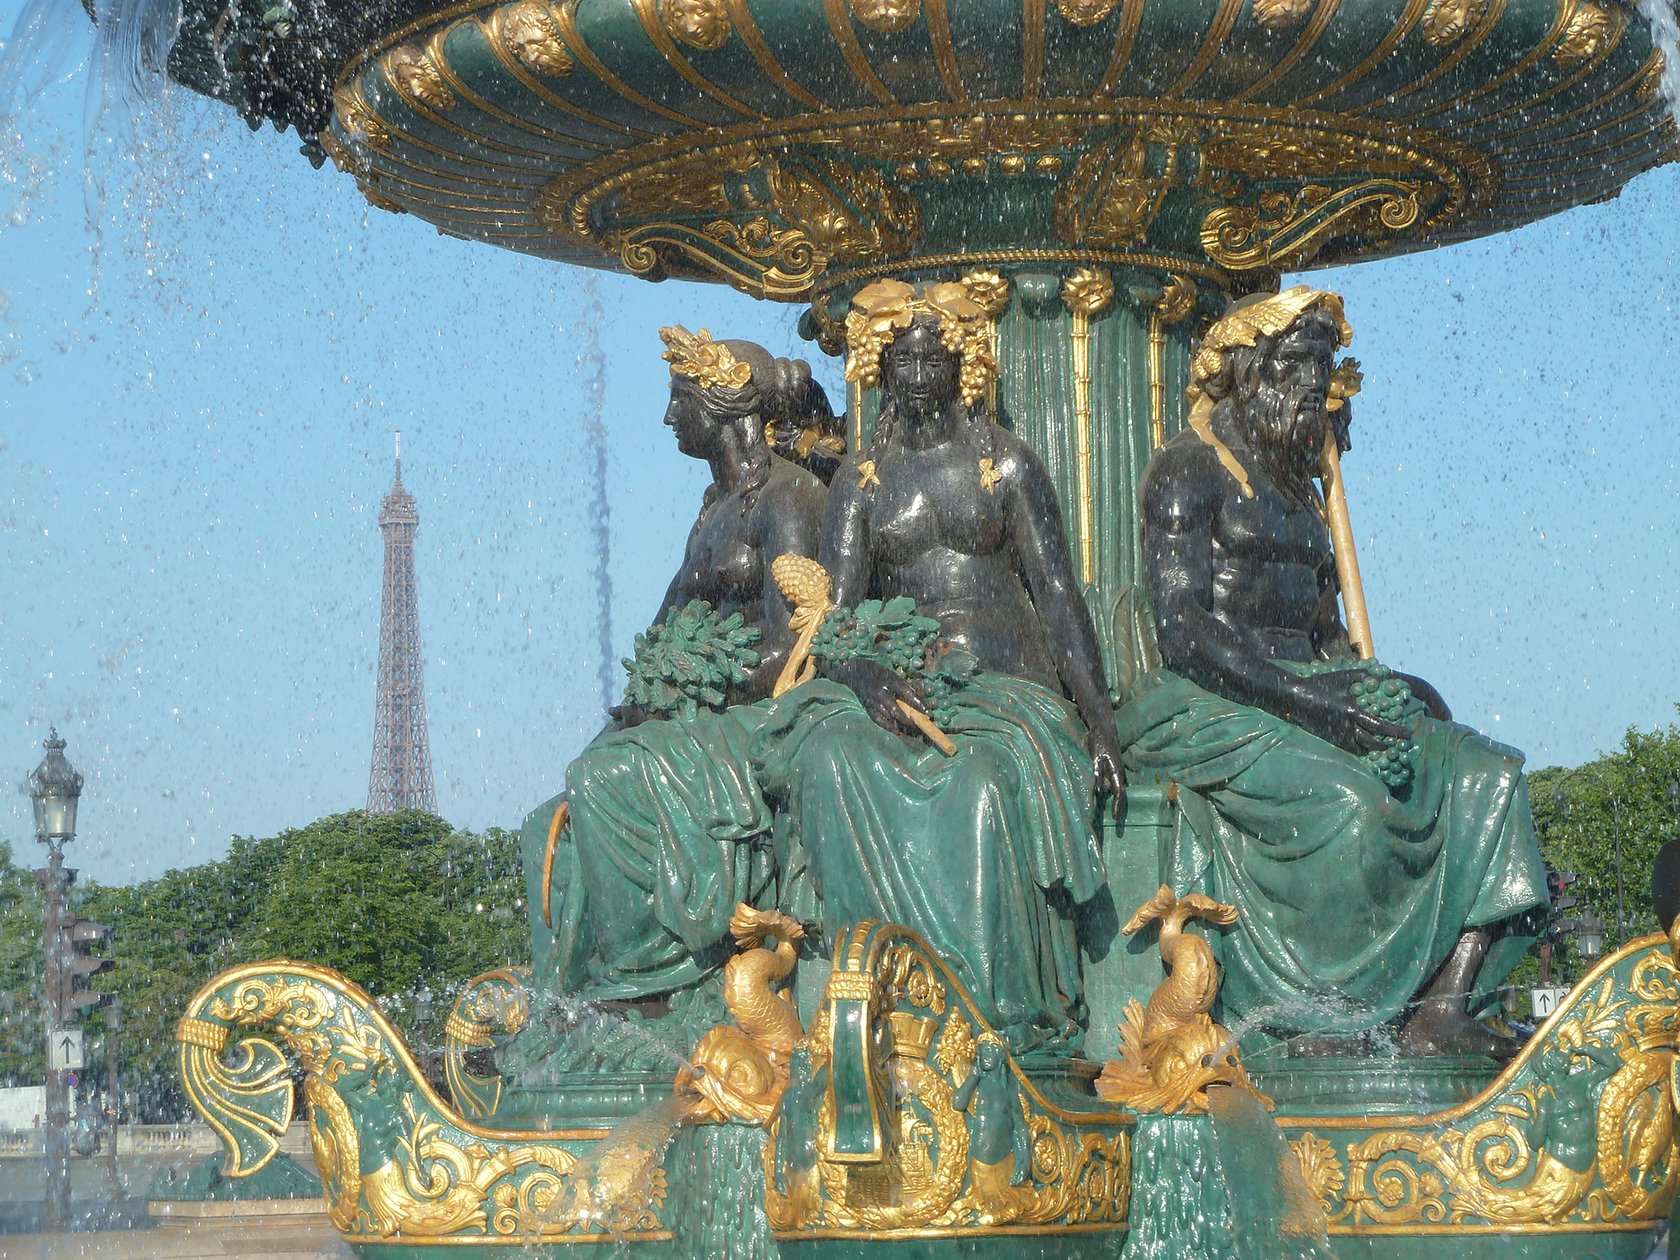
847, 213
527, 31
988, 290
1178, 299
1280, 15
1088, 291
1085, 12
1322, 1169
886, 17
411, 71
1446, 22
702, 24
1590, 32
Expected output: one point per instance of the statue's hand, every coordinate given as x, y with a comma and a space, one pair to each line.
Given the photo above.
1332, 713
1428, 695
1110, 776
879, 690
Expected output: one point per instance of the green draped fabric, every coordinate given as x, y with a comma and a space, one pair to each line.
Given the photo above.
1349, 896
984, 853
668, 832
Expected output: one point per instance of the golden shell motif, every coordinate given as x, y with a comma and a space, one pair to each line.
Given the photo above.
410, 70
527, 32
702, 24
1446, 22
1085, 12
886, 17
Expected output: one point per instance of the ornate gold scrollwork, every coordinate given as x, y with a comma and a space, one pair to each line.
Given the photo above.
527, 32
1286, 229
1113, 193
1085, 12
964, 1141
1592, 30
394, 1159
702, 24
1446, 22
413, 73
886, 17
1578, 1132
494, 1004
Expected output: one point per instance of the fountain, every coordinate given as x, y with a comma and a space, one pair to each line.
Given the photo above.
1072, 198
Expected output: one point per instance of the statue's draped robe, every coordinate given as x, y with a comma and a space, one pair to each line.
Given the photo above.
668, 833
984, 853
1348, 896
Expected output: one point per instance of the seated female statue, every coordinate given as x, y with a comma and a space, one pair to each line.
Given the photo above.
986, 852
667, 828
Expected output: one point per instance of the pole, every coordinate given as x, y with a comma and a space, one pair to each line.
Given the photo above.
1341, 540
58, 1094
1621, 899
113, 1095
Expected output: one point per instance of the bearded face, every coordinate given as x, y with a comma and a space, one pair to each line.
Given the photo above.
1288, 405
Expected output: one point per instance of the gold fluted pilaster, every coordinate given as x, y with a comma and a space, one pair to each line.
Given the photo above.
1086, 292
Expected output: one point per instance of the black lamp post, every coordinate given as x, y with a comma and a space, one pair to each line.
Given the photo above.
56, 789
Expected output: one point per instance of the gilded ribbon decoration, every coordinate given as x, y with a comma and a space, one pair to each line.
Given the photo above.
1087, 292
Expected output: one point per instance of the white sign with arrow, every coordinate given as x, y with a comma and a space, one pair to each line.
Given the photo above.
64, 1050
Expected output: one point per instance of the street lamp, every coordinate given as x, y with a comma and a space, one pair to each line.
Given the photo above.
1589, 935
56, 787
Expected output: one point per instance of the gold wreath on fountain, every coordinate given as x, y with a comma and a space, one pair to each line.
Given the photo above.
699, 358
883, 310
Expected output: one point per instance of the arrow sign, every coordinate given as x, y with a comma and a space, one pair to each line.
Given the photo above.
64, 1050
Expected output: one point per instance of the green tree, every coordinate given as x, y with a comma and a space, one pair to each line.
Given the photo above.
1625, 802
402, 904
22, 1029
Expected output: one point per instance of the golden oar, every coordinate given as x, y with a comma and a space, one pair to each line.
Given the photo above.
1344, 384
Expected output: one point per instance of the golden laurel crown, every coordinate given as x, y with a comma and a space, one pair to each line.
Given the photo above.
699, 358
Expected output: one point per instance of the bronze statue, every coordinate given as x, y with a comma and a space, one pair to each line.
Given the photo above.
986, 851
667, 826
1381, 858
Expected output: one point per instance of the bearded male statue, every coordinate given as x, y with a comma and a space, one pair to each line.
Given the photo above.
1381, 858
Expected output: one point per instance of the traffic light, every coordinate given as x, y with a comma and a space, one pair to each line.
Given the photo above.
79, 966
1557, 888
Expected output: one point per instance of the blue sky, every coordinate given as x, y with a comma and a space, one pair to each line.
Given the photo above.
195, 433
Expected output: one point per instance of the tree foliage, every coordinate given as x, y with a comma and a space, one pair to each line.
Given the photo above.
403, 904
1626, 802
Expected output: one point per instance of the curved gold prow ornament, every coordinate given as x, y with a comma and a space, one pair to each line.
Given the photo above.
1171, 1051
1344, 384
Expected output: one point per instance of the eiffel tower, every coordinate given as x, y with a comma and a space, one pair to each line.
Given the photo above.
401, 777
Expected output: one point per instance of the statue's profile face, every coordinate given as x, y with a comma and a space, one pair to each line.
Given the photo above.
1295, 387
688, 421
917, 371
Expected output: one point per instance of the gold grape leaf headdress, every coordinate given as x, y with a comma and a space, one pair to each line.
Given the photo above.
1269, 317
699, 358
883, 310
